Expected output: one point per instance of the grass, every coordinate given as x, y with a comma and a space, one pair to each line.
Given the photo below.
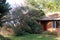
33, 37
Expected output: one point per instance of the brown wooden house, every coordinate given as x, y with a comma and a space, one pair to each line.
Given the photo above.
50, 22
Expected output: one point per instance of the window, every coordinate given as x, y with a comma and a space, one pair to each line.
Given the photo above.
56, 24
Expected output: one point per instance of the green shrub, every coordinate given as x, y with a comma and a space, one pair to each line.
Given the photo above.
3, 38
35, 27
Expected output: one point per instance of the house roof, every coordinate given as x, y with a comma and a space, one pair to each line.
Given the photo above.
55, 16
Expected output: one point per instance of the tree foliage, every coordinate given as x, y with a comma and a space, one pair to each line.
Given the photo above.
4, 8
24, 20
48, 5
3, 38
27, 21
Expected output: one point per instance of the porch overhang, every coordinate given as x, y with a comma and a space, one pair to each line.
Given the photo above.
53, 17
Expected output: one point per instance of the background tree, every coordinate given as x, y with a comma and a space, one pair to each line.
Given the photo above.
27, 19
4, 8
46, 5
24, 20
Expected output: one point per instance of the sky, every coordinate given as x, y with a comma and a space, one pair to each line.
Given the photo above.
16, 3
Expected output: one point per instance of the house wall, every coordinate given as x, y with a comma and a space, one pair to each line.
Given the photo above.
45, 24
50, 27
49, 24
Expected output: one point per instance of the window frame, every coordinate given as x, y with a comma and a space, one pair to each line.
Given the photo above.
53, 24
